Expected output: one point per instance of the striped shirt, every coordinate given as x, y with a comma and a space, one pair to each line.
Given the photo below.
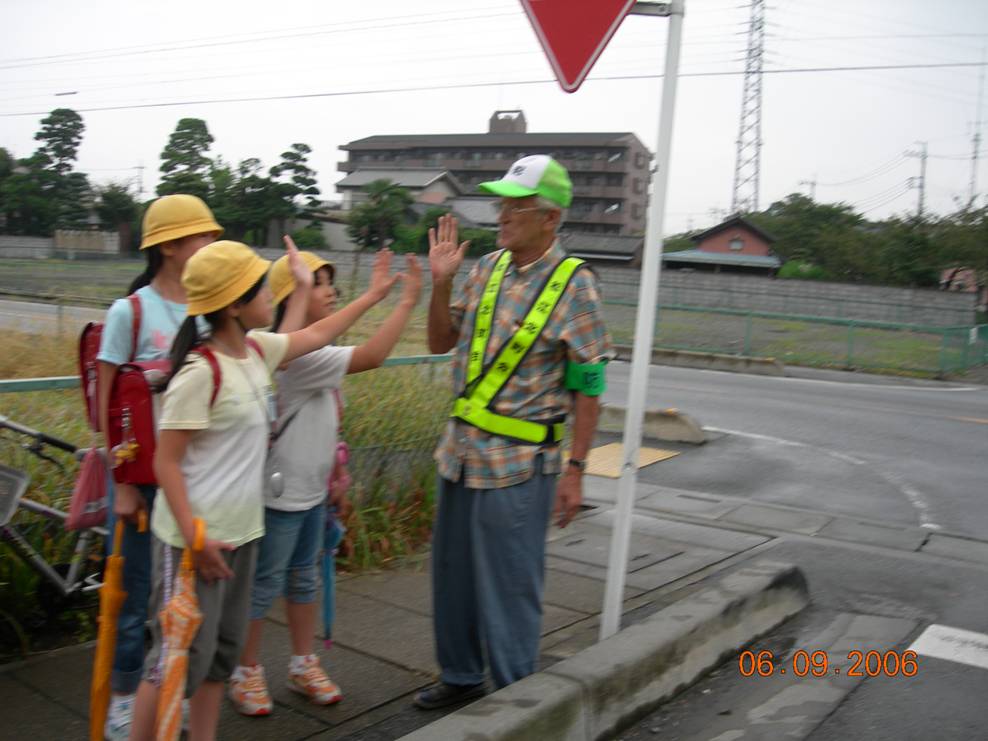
575, 332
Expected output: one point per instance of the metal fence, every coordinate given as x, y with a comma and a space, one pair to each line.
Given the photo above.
394, 416
809, 340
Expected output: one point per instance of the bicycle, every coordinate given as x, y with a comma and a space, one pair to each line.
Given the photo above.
81, 576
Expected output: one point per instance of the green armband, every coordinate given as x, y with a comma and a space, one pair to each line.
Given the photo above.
587, 378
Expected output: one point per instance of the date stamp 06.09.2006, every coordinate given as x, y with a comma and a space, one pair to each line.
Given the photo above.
819, 664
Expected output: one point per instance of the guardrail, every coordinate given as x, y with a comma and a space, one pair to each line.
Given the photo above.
60, 383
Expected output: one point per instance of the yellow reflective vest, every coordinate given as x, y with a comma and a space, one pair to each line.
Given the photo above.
474, 406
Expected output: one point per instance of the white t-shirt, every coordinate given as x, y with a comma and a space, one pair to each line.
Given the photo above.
305, 450
224, 461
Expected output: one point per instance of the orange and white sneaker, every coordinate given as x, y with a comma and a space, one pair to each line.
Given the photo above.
310, 680
249, 692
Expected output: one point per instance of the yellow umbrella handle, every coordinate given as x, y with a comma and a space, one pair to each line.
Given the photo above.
118, 532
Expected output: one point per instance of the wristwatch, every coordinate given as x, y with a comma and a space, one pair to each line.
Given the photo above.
579, 463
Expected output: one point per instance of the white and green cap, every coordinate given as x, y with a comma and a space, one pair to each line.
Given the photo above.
535, 175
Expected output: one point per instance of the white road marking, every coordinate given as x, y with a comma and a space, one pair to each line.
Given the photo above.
953, 644
916, 498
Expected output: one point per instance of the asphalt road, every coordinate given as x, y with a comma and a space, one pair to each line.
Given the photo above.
901, 451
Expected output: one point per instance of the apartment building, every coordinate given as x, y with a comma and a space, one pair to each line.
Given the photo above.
610, 171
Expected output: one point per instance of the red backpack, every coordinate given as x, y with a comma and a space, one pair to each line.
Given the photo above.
130, 410
89, 344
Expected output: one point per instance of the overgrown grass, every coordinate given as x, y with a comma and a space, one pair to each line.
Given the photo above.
393, 420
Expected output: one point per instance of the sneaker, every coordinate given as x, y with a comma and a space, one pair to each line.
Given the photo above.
313, 682
442, 695
118, 717
249, 692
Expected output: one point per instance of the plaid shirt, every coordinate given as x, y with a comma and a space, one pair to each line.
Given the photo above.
535, 391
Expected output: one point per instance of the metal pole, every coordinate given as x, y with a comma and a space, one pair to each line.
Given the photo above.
642, 353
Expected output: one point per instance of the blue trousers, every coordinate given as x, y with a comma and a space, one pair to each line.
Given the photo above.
488, 570
128, 657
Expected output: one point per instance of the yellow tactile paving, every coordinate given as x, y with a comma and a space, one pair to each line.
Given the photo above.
607, 459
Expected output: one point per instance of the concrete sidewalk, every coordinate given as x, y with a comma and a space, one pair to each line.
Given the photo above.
384, 649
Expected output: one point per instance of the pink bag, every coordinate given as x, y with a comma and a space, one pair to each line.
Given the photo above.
338, 481
88, 506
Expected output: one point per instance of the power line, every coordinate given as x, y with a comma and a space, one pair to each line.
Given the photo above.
887, 201
212, 44
468, 85
878, 171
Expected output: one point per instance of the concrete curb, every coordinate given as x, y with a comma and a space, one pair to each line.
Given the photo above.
609, 685
709, 361
659, 424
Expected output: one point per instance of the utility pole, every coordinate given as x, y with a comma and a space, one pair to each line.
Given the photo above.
812, 184
140, 182
747, 163
976, 139
920, 182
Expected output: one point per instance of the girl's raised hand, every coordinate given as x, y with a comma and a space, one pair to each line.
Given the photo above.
300, 271
381, 282
413, 280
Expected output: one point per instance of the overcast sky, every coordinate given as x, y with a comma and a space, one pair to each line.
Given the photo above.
848, 130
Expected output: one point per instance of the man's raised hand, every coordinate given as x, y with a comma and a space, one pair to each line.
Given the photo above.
445, 255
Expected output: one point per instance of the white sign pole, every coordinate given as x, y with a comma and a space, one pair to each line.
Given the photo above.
644, 326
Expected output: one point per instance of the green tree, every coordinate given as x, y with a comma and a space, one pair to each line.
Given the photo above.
117, 210
74, 197
60, 135
800, 225
243, 200
184, 164
310, 238
964, 242
374, 222
297, 182
28, 198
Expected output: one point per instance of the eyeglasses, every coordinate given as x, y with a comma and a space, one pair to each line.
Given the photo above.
512, 210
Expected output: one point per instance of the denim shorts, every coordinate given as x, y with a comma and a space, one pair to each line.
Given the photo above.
288, 561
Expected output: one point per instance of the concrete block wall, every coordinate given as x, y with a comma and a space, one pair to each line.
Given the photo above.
925, 306
71, 241
26, 247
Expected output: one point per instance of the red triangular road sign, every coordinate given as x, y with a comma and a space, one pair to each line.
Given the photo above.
573, 33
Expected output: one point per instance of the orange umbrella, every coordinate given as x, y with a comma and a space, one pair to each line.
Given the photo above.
111, 599
180, 619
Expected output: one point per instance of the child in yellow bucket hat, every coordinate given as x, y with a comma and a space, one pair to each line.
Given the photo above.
209, 459
300, 462
175, 227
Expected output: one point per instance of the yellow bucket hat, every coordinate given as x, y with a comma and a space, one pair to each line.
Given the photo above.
220, 273
176, 216
281, 280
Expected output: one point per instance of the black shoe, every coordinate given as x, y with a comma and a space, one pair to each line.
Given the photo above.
442, 695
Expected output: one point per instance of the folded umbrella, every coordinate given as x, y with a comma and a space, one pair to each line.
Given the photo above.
180, 619
331, 541
111, 599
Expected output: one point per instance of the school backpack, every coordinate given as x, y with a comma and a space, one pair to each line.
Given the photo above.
89, 344
131, 410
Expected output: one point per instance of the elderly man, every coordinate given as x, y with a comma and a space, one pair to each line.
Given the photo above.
530, 348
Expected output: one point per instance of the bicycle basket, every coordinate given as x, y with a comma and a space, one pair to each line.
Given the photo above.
13, 484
